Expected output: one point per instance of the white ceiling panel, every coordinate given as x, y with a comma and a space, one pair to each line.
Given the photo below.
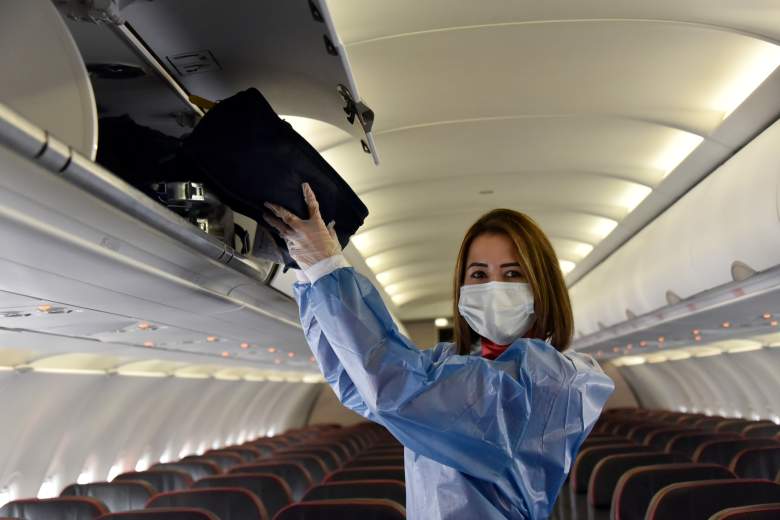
574, 113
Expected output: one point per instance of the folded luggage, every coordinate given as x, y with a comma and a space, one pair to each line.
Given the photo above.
246, 155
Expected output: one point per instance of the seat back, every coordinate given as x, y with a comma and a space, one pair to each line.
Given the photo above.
61, 508
700, 500
194, 468
316, 467
247, 453
708, 423
722, 451
272, 491
161, 480
353, 509
755, 512
658, 439
367, 462
761, 430
637, 486
339, 449
116, 496
589, 457
264, 449
176, 513
294, 474
640, 432
223, 502
608, 471
688, 443
737, 425
762, 463
224, 460
385, 489
375, 473
329, 457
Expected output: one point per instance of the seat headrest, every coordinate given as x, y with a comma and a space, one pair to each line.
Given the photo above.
353, 509
270, 489
223, 502
72, 508
116, 496
178, 513
293, 473
350, 489
194, 468
703, 499
161, 480
375, 473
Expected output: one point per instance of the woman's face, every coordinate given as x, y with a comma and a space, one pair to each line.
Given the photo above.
492, 257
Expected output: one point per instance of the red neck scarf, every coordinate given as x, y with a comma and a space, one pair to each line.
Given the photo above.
491, 350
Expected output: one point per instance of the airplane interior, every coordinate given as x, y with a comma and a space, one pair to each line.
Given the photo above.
153, 360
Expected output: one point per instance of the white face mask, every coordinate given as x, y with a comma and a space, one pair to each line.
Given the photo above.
499, 311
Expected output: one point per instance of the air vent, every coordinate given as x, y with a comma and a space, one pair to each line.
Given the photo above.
15, 314
194, 62
115, 71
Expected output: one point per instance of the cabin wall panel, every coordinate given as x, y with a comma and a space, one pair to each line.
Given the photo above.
740, 384
59, 426
732, 215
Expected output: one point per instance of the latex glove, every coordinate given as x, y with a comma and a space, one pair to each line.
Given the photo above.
308, 241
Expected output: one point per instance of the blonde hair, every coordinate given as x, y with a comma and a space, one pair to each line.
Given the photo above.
539, 264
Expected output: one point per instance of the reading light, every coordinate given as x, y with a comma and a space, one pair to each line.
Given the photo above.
441, 322
244, 345
211, 339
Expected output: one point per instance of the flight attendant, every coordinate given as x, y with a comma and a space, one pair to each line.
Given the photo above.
492, 422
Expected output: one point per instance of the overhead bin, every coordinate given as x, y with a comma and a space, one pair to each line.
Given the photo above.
288, 50
82, 237
727, 226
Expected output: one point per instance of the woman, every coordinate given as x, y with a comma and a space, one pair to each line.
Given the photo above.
486, 436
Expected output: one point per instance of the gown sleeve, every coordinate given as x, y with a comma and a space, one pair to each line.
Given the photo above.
516, 421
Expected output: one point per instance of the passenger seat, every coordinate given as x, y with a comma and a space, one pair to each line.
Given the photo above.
61, 508
225, 503
161, 480
763, 463
272, 491
700, 500
349, 489
177, 513
116, 496
637, 486
358, 509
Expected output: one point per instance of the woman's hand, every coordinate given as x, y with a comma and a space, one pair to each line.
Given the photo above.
308, 241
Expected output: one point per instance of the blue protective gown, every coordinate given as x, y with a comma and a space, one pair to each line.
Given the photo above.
483, 438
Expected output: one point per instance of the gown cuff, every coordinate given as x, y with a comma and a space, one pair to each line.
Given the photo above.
325, 267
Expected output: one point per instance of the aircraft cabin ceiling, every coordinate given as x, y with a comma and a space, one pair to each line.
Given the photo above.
574, 113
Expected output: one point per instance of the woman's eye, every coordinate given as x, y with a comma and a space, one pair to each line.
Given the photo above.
513, 274
478, 274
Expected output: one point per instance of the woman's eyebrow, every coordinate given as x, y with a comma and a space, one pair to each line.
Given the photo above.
511, 264
476, 264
